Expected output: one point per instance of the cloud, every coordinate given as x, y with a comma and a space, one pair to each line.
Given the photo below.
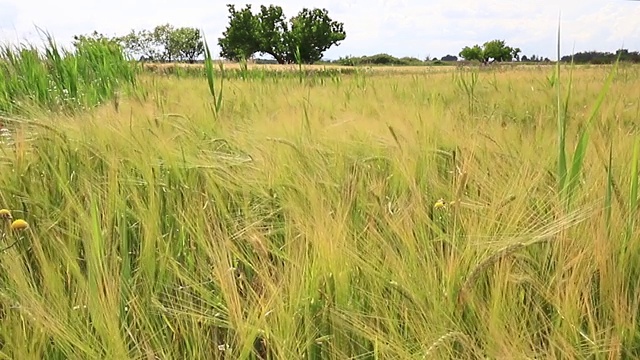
399, 27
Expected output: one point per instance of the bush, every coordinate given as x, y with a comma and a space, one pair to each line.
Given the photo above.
380, 59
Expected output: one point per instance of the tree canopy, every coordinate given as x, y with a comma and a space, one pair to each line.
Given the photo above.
164, 43
81, 40
305, 37
494, 50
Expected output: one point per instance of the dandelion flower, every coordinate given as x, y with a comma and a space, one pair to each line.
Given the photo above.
19, 224
439, 204
5, 214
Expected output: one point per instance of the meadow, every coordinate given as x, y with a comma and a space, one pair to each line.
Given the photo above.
246, 214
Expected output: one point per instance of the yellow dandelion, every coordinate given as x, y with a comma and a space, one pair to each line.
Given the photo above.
439, 204
19, 224
5, 214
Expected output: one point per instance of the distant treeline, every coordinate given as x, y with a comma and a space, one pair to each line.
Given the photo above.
386, 59
590, 57
380, 59
598, 57
166, 44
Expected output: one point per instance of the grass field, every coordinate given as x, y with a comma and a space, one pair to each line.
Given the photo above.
379, 215
384, 69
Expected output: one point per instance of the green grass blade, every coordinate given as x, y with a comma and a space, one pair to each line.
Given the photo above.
583, 139
633, 187
562, 125
209, 71
609, 191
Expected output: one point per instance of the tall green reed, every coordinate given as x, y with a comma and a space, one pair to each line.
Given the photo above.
633, 189
298, 58
468, 86
208, 65
568, 174
58, 79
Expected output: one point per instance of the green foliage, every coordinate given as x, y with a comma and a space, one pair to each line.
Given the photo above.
569, 176
311, 32
380, 59
494, 50
497, 50
239, 40
472, 53
96, 39
600, 57
162, 38
139, 44
164, 43
314, 32
61, 80
467, 82
187, 44
449, 57
208, 66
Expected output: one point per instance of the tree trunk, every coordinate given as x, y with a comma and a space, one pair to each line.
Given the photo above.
279, 58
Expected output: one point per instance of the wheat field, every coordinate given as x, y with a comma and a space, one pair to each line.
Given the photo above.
450, 214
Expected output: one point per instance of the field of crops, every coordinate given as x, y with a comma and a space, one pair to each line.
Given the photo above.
251, 214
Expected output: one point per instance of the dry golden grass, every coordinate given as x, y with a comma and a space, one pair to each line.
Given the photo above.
298, 221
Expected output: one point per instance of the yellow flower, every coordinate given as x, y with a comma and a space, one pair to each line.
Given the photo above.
19, 224
439, 204
5, 214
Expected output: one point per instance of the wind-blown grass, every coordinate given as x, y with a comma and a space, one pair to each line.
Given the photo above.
301, 223
61, 80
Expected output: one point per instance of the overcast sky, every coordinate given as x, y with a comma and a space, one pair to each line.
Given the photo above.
398, 27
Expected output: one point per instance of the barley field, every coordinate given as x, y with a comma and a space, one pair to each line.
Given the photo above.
240, 214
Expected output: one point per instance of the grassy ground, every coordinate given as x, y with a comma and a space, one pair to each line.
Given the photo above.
369, 216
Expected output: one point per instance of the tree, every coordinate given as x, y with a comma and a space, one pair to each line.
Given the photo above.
312, 33
140, 44
162, 38
164, 43
239, 40
599, 57
305, 36
94, 37
494, 50
186, 44
82, 42
472, 53
515, 53
497, 50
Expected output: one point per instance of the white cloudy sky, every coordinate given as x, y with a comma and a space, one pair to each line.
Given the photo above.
398, 27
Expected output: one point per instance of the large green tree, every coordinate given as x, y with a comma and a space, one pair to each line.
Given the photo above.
187, 44
494, 50
304, 37
474, 52
164, 43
